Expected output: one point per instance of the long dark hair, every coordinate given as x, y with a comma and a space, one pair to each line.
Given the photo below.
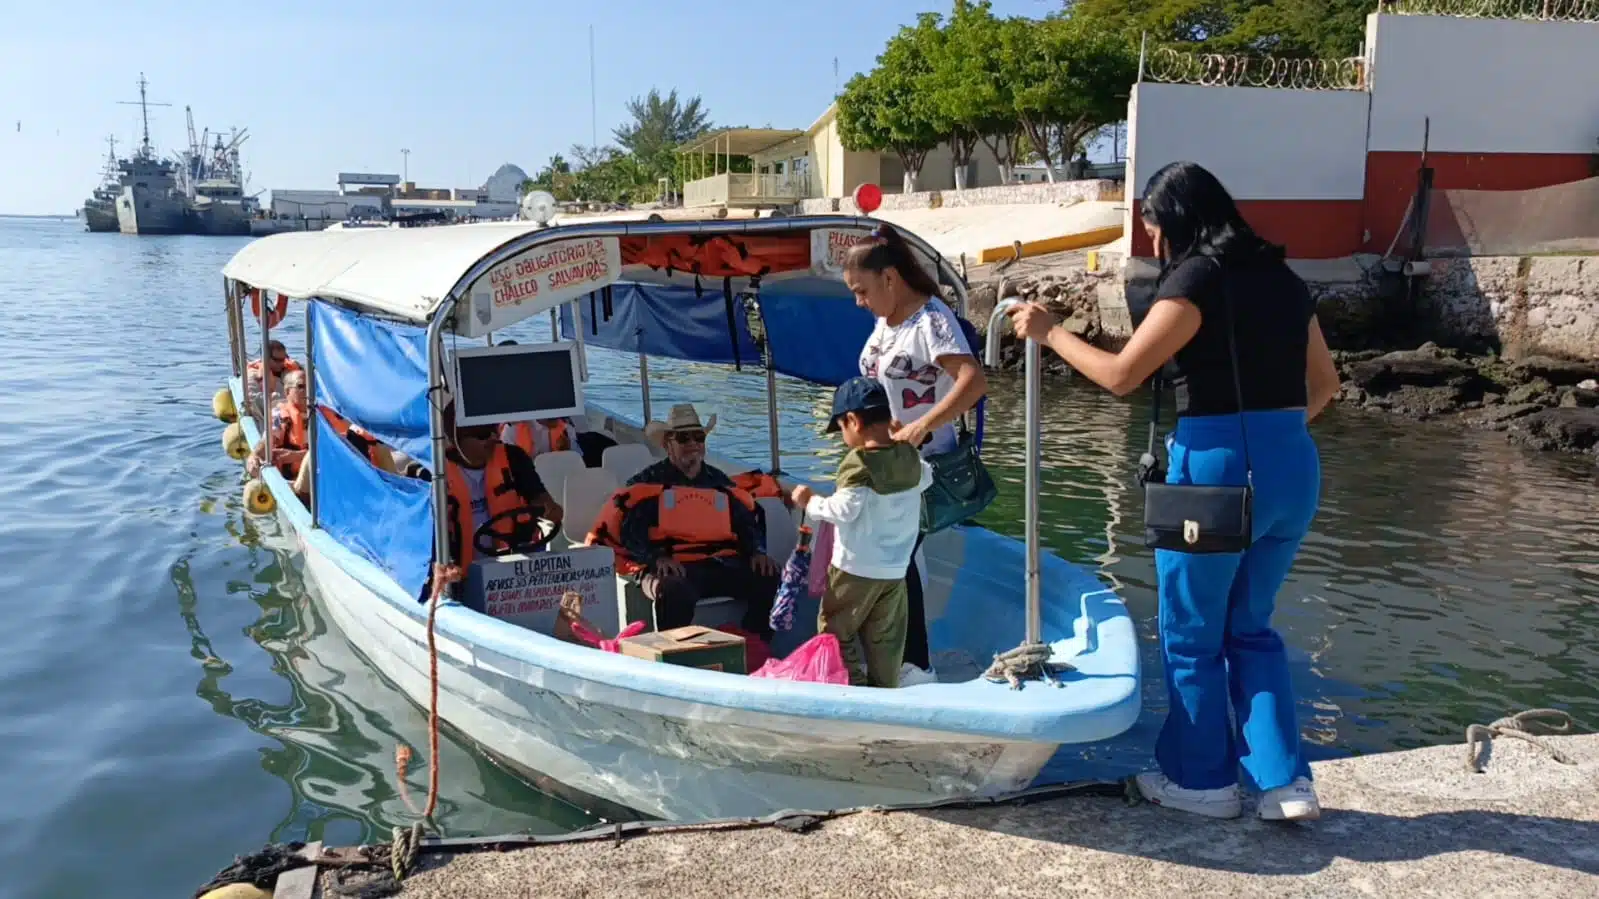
1197, 216
887, 249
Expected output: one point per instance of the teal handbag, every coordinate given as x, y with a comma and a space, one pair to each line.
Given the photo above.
961, 488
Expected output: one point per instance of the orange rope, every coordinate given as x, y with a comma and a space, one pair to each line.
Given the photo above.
442, 578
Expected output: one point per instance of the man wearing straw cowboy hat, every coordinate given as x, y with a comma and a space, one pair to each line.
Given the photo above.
693, 532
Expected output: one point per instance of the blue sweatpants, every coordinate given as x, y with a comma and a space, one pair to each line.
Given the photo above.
1215, 609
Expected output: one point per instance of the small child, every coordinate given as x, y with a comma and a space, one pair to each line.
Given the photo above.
876, 512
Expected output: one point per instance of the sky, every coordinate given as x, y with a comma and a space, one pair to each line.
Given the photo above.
465, 85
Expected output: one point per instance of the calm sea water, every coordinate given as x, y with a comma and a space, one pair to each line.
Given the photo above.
170, 697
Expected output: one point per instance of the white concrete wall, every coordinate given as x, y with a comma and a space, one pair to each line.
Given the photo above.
1489, 85
1263, 143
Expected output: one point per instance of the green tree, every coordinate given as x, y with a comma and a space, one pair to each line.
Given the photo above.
891, 107
1320, 28
1070, 78
971, 96
661, 123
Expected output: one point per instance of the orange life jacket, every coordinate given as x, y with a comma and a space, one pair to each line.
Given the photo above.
288, 448
761, 485
521, 434
366, 444
499, 491
288, 366
692, 523
294, 418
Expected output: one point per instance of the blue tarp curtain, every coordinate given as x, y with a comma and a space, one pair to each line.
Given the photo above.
815, 336
375, 374
384, 518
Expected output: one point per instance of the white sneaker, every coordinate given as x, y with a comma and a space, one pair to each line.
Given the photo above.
910, 675
1159, 790
1295, 802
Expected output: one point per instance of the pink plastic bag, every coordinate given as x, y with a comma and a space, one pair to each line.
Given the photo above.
817, 660
821, 558
600, 642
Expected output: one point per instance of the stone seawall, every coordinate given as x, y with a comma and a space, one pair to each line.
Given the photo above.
1527, 304
1510, 344
1000, 195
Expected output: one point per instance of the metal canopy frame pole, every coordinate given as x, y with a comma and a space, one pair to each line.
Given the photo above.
775, 444
1035, 368
644, 378
577, 329
240, 346
435, 394
233, 331
266, 373
1035, 599
310, 436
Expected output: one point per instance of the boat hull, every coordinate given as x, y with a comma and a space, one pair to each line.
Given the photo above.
100, 219
661, 757
146, 212
218, 219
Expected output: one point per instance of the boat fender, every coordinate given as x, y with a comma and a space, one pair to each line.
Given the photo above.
258, 500
222, 406
234, 443
238, 891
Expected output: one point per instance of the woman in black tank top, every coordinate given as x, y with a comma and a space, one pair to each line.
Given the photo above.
1223, 661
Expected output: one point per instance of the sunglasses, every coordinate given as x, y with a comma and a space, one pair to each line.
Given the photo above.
479, 434
688, 437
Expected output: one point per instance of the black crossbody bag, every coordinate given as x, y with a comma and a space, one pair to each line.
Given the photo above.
1197, 518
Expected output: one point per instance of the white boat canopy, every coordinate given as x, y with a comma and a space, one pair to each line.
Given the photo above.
411, 273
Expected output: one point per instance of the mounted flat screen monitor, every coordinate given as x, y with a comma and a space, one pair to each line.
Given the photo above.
516, 383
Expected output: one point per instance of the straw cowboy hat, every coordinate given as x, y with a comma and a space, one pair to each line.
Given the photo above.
683, 417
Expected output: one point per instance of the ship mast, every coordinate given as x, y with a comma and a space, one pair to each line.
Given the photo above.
144, 110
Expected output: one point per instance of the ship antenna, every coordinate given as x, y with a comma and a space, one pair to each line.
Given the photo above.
144, 110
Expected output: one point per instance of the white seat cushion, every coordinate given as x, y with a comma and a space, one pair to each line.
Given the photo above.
626, 460
554, 468
587, 491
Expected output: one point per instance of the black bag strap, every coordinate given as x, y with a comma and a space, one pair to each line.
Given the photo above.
1149, 467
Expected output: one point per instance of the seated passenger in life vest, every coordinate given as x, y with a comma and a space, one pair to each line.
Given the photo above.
278, 363
496, 496
546, 435
693, 532
290, 419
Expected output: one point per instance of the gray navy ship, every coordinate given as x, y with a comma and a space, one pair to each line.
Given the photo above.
100, 210
150, 201
212, 181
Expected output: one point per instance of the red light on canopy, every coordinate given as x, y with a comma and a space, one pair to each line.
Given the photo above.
868, 197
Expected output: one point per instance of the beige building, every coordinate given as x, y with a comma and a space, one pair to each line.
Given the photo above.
788, 166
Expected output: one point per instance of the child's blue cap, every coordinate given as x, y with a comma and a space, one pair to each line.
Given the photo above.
856, 395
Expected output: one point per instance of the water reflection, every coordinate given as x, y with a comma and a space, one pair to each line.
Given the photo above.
335, 737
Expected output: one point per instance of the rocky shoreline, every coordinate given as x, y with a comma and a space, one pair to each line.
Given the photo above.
1539, 402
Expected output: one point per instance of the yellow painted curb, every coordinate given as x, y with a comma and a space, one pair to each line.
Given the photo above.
1052, 244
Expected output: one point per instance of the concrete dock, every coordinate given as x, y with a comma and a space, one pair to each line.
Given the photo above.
1412, 823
